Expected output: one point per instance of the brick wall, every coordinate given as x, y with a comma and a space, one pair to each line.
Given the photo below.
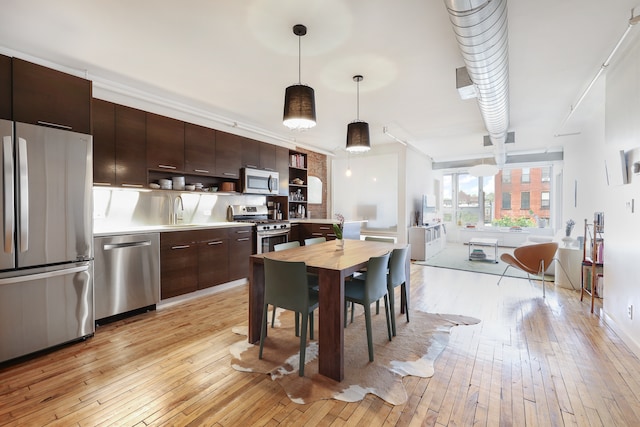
317, 166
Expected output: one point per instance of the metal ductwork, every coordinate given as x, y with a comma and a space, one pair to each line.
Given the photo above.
480, 27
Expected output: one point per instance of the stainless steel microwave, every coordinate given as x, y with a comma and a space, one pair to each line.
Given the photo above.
256, 181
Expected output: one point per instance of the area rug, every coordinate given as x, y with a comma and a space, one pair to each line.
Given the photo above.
412, 352
456, 256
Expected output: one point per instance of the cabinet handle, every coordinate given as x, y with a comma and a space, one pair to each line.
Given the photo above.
244, 239
55, 125
219, 242
132, 185
201, 170
325, 228
229, 174
317, 234
180, 247
243, 231
102, 183
251, 166
166, 167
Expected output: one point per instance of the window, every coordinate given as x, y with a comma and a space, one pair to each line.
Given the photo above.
506, 176
546, 174
506, 201
526, 175
545, 200
525, 200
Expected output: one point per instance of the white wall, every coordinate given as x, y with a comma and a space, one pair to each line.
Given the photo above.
622, 227
390, 179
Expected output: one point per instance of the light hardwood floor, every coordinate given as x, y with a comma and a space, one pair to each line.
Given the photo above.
530, 362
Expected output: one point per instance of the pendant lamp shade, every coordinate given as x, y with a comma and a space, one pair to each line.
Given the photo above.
358, 137
358, 131
299, 100
299, 107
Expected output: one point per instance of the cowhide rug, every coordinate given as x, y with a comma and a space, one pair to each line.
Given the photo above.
412, 352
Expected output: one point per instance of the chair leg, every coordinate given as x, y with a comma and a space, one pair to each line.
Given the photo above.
542, 270
502, 275
263, 329
297, 324
392, 309
405, 299
387, 313
273, 317
378, 307
367, 318
311, 327
353, 308
303, 343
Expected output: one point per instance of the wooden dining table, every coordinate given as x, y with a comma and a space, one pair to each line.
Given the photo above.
333, 266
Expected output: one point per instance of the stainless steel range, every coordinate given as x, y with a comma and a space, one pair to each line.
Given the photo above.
269, 232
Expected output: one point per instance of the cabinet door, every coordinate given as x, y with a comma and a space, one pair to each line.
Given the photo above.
213, 262
323, 230
165, 143
178, 264
131, 147
268, 157
250, 153
294, 233
5, 88
51, 98
199, 149
282, 166
240, 249
104, 142
228, 155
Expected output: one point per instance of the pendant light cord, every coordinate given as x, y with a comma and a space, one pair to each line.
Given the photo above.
358, 100
299, 61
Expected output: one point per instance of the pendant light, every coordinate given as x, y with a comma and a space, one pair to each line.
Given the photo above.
358, 131
299, 100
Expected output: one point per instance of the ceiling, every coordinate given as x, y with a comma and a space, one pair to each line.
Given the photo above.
232, 60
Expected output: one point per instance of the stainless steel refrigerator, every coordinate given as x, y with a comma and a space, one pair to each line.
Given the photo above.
46, 267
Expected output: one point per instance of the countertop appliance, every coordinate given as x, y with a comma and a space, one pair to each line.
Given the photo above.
258, 181
46, 262
127, 274
269, 232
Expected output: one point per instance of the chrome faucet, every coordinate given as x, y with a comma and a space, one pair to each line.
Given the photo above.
175, 215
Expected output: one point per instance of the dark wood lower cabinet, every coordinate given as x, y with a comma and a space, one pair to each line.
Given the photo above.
178, 264
213, 261
241, 247
199, 259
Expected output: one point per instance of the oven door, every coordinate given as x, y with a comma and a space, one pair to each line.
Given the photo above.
267, 240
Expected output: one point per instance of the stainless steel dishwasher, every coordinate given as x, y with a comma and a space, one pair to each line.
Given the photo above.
127, 274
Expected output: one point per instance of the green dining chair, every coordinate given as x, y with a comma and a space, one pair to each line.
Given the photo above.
285, 286
314, 240
396, 276
313, 278
379, 239
287, 245
366, 292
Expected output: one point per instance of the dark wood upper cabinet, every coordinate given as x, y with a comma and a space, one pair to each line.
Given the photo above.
268, 157
199, 149
250, 153
104, 142
131, 147
165, 143
5, 88
228, 155
43, 96
282, 166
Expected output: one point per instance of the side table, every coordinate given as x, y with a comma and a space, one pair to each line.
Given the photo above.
568, 272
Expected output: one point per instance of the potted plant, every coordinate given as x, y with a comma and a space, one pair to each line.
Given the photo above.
337, 229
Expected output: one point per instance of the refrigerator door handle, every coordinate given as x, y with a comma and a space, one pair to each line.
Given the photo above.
45, 275
23, 185
9, 220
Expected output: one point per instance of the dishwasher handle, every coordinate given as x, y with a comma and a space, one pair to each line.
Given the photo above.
111, 246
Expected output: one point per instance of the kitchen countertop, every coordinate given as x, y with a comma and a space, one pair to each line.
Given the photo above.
323, 221
137, 229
